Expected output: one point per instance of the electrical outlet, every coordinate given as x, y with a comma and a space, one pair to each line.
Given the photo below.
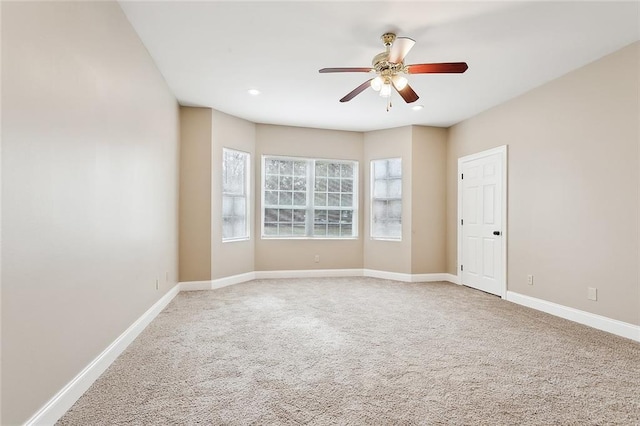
592, 293
157, 284
317, 258
530, 279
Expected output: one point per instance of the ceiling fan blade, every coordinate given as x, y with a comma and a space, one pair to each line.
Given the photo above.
446, 67
399, 49
407, 93
326, 70
352, 94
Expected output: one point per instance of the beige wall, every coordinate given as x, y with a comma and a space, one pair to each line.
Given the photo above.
299, 254
428, 200
573, 185
237, 257
89, 192
391, 256
195, 194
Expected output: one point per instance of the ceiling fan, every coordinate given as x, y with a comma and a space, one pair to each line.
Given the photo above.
389, 67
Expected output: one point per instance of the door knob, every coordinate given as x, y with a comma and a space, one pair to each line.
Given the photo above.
496, 232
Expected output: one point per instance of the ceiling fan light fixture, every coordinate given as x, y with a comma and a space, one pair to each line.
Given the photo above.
399, 82
376, 84
385, 90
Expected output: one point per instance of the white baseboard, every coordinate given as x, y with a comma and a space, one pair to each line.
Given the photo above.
428, 278
386, 275
600, 322
309, 273
195, 285
234, 279
68, 395
454, 279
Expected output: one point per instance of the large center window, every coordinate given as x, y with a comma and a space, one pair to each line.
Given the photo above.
309, 198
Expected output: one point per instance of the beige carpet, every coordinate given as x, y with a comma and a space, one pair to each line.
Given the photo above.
352, 351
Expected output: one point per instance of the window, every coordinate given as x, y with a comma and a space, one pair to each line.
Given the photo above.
309, 198
235, 187
386, 199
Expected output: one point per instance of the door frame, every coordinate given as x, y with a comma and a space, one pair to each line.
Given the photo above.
502, 150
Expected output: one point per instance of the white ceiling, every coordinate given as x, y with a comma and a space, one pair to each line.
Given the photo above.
211, 53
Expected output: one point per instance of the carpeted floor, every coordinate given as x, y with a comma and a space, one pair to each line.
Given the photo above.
352, 351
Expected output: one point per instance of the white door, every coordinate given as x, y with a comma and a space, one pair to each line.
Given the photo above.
481, 222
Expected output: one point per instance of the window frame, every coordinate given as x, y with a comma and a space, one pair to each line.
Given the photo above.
247, 192
373, 199
310, 206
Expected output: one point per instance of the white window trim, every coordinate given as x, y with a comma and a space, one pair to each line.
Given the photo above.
372, 179
311, 198
247, 190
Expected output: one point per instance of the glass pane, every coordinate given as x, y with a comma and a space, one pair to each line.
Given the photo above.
286, 167
333, 216
299, 230
394, 188
272, 166
334, 169
379, 169
239, 228
227, 228
285, 230
300, 168
299, 198
395, 167
271, 183
286, 183
239, 207
347, 171
299, 216
271, 198
334, 200
346, 230
333, 230
320, 199
379, 210
346, 216
395, 209
346, 200
380, 189
347, 185
285, 216
321, 169
334, 185
300, 184
320, 216
271, 215
321, 184
227, 206
285, 198
320, 230
270, 229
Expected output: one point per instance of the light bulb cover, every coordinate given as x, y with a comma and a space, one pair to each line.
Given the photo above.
385, 90
399, 81
376, 83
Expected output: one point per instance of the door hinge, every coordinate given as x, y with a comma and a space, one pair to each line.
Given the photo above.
461, 221
462, 176
462, 267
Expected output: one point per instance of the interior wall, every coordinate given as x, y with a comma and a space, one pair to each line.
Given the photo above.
572, 185
428, 200
195, 194
89, 192
274, 254
236, 257
388, 255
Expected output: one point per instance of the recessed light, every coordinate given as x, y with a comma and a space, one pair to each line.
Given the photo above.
253, 92
417, 107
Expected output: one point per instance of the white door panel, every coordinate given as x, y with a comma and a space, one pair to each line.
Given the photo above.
481, 223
